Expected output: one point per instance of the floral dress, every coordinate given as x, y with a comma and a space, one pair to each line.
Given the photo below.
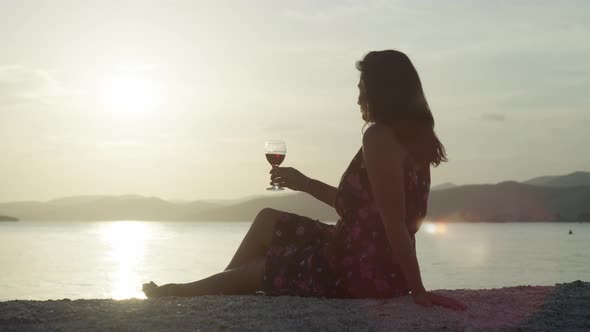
352, 259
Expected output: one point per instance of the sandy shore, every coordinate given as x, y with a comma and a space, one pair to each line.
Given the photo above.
560, 307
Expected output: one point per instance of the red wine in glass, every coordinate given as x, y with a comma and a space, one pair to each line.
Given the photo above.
275, 159
275, 154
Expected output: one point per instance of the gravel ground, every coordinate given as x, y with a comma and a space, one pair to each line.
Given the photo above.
563, 307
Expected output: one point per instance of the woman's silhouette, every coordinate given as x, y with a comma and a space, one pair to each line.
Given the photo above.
381, 200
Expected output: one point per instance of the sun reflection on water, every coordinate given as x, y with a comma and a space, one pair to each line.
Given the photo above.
126, 240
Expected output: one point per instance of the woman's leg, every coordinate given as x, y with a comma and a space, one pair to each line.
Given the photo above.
257, 240
243, 274
245, 279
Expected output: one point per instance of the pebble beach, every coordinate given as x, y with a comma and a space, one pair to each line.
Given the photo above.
563, 307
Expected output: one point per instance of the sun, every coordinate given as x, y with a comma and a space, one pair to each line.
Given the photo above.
130, 92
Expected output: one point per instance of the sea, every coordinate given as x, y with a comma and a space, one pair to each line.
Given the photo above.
83, 260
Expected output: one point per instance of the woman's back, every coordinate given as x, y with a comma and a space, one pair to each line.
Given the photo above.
360, 252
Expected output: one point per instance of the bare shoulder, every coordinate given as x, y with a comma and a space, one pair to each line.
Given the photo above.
379, 138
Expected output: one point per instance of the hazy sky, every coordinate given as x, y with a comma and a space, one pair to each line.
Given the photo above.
176, 98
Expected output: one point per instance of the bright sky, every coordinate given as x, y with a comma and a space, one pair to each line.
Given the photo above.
176, 98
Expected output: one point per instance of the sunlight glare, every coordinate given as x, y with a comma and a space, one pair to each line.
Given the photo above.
435, 228
127, 242
130, 93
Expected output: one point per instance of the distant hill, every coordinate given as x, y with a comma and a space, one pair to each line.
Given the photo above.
133, 207
553, 198
73, 200
7, 218
442, 186
510, 201
569, 180
83, 208
302, 204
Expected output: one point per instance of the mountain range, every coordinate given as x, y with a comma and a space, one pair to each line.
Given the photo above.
547, 198
570, 180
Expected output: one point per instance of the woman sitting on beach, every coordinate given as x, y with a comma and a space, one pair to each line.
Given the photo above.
381, 200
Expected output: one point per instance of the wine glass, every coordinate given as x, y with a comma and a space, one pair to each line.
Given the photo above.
275, 154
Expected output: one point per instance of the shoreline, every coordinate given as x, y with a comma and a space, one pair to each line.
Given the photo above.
560, 307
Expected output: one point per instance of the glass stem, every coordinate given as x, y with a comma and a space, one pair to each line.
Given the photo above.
275, 184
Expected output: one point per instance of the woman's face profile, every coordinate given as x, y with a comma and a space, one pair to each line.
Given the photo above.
362, 100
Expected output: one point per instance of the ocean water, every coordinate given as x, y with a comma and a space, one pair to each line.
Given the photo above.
42, 260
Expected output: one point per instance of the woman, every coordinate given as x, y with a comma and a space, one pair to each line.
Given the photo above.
381, 200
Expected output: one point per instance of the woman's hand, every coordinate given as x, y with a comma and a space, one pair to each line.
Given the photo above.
289, 177
429, 299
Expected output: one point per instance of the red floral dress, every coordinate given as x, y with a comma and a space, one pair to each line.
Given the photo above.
353, 258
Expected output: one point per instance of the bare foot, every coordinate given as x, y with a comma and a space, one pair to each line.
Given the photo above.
150, 290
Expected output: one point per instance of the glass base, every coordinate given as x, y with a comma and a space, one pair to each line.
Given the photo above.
275, 188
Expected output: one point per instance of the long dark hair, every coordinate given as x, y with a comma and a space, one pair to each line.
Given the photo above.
395, 97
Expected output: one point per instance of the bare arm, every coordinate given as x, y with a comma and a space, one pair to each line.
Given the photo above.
291, 178
322, 191
383, 157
